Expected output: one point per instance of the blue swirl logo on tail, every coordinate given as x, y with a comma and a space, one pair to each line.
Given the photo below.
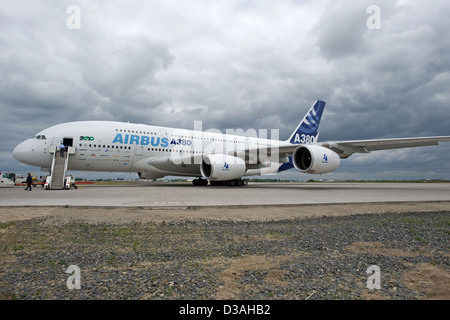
306, 132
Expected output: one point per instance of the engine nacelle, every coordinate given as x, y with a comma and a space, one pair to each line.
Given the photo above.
315, 159
221, 167
149, 175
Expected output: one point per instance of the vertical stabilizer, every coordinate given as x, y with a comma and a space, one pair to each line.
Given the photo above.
307, 130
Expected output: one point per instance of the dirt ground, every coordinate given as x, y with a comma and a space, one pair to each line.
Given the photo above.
432, 282
230, 213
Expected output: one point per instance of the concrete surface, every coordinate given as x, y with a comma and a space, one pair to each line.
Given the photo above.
164, 194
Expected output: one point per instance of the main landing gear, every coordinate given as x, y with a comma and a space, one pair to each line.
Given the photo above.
200, 182
230, 183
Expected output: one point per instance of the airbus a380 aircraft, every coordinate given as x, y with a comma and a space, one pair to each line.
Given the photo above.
155, 152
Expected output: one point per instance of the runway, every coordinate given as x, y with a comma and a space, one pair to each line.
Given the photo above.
169, 194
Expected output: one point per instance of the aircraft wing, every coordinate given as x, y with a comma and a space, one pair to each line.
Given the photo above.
284, 149
346, 148
188, 164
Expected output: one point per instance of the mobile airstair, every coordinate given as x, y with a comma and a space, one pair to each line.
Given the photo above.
57, 178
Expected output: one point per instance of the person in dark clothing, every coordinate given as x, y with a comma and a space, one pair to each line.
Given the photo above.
29, 182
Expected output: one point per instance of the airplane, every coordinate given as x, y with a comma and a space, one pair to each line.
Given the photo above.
223, 159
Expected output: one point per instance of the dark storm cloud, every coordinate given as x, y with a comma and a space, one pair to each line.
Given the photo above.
388, 81
233, 64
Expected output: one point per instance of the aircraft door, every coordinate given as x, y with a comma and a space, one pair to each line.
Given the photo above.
68, 142
139, 151
252, 154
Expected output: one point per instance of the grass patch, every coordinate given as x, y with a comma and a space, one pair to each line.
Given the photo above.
7, 225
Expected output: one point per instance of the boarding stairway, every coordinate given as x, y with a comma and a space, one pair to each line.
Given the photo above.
57, 178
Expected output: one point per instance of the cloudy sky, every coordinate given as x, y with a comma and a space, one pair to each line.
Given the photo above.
234, 64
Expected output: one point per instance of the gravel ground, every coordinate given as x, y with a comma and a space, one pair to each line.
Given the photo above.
310, 257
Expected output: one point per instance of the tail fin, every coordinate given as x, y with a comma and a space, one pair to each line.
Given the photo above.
307, 130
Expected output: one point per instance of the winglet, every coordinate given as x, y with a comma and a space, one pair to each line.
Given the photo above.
307, 130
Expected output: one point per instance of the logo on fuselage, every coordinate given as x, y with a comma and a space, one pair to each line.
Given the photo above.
86, 138
304, 138
146, 140
141, 140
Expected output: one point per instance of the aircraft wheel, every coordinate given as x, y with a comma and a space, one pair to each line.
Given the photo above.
200, 182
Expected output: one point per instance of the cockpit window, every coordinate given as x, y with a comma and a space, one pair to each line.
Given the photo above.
43, 137
38, 137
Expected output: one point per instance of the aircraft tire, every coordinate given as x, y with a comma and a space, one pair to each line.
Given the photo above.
229, 183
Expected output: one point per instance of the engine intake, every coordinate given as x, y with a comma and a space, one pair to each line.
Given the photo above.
314, 159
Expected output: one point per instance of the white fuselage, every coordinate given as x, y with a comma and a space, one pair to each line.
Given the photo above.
155, 152
126, 147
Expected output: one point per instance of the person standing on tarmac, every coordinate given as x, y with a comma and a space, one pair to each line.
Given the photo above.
29, 182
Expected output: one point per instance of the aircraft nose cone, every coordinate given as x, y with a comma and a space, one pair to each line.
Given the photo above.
19, 152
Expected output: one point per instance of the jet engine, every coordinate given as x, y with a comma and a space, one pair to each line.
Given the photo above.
149, 175
315, 159
220, 167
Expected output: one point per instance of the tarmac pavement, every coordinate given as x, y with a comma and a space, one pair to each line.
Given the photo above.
184, 194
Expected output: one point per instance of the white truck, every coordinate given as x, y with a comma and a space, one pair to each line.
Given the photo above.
11, 179
7, 179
